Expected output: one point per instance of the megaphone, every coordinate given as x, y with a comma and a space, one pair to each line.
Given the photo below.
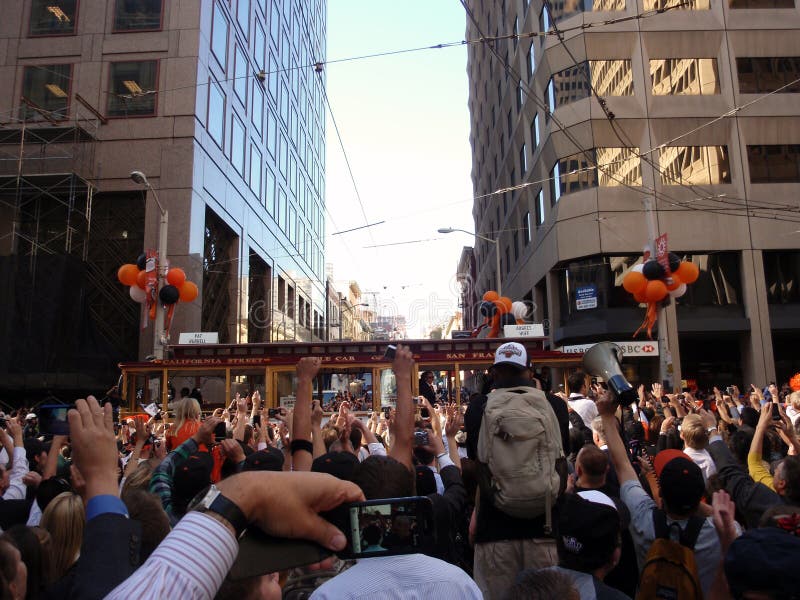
602, 360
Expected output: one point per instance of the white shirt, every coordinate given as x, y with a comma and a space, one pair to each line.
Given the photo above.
412, 576
703, 460
586, 408
16, 489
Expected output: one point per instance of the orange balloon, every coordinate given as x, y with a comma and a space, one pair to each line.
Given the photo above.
639, 296
506, 302
501, 309
188, 291
633, 282
676, 283
491, 296
127, 274
176, 277
655, 291
688, 272
141, 279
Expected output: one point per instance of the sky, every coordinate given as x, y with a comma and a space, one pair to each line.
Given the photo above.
404, 123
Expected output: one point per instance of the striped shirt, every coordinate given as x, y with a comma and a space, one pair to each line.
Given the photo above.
191, 563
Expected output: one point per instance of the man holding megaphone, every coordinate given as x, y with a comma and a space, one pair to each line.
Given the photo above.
602, 360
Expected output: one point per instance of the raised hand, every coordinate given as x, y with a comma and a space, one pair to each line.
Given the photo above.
94, 447
308, 367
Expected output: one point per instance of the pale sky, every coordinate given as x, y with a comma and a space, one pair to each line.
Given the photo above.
404, 121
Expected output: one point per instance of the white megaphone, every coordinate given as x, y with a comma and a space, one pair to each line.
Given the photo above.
602, 360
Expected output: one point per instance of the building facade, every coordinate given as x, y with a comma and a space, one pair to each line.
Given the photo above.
216, 103
694, 110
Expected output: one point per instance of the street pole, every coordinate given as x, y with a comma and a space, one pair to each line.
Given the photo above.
160, 335
664, 355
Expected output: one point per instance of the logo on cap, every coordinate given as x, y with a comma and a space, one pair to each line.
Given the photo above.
509, 350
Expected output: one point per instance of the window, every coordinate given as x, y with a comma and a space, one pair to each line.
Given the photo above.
281, 294
531, 61
694, 165
238, 148
256, 164
761, 3
523, 160
774, 164
133, 89
515, 239
257, 108
272, 133
571, 174
292, 225
684, 76
757, 75
677, 4
259, 46
608, 78
219, 35
516, 32
284, 103
782, 275
508, 261
48, 88
269, 192
215, 119
535, 131
240, 70
53, 17
275, 24
281, 209
509, 124
540, 208
283, 156
526, 228
243, 16
138, 15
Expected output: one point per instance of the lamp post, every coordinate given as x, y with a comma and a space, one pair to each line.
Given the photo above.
159, 336
341, 320
496, 243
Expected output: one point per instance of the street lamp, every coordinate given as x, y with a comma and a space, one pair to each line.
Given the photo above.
496, 243
341, 321
159, 336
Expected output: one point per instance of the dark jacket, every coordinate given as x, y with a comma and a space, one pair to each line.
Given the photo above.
448, 513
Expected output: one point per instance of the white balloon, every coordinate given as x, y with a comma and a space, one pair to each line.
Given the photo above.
137, 294
638, 268
519, 310
679, 291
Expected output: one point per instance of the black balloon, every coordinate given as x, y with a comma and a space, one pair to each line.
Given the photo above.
488, 308
169, 294
674, 262
653, 270
141, 262
508, 319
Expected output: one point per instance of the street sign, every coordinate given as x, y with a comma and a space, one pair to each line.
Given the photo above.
525, 330
201, 337
586, 297
634, 348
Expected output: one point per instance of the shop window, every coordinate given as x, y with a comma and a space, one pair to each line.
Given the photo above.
53, 17
47, 87
133, 89
764, 75
782, 276
138, 15
774, 164
684, 76
694, 165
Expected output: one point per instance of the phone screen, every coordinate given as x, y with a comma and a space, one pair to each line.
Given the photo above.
53, 419
220, 432
387, 527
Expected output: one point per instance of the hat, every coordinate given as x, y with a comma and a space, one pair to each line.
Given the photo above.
588, 526
513, 354
426, 482
191, 476
680, 479
30, 416
270, 459
763, 559
338, 464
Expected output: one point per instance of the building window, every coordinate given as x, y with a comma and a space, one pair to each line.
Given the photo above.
757, 75
761, 4
238, 148
540, 208
618, 166
520, 96
47, 87
256, 164
259, 46
677, 4
563, 10
531, 61
53, 17
507, 261
243, 16
269, 193
516, 32
215, 119
607, 77
684, 76
240, 71
138, 15
257, 107
219, 35
133, 89
523, 160
272, 133
694, 165
292, 225
774, 164
281, 294
526, 228
509, 123
535, 131
515, 239
782, 275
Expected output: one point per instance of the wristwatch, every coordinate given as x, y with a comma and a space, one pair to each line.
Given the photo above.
211, 500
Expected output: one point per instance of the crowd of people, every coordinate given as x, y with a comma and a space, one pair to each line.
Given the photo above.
532, 494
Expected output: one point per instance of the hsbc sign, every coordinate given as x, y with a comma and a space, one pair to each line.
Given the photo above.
644, 348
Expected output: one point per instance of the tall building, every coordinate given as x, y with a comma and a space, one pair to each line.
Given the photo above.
218, 103
606, 110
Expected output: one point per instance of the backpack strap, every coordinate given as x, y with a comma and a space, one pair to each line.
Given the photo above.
687, 537
660, 524
692, 532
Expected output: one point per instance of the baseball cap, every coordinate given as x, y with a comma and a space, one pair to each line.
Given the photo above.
511, 353
680, 479
426, 482
338, 464
587, 526
270, 459
191, 476
763, 559
30, 416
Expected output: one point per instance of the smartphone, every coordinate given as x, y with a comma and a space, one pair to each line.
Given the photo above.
390, 352
53, 419
421, 438
257, 420
387, 410
776, 414
220, 432
730, 391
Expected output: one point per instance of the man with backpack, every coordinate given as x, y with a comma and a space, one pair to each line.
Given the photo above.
521, 473
677, 547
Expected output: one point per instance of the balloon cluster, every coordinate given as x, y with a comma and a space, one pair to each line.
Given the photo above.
499, 311
139, 279
794, 382
649, 282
